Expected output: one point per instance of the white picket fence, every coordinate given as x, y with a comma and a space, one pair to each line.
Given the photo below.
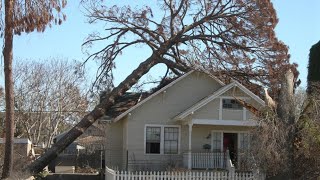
178, 175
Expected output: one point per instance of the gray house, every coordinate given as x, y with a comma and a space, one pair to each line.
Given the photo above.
193, 122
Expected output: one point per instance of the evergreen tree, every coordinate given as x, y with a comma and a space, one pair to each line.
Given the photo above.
314, 69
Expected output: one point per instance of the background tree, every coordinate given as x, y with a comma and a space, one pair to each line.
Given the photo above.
223, 35
308, 125
22, 16
48, 98
287, 144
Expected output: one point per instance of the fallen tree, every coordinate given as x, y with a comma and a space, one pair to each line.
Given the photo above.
218, 36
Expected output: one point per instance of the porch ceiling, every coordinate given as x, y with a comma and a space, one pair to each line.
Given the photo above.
248, 123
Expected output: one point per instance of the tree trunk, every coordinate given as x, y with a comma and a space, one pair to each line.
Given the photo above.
97, 113
286, 113
9, 96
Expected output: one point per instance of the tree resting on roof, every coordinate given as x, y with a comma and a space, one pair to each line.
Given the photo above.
222, 35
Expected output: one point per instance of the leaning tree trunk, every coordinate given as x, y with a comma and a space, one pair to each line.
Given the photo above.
95, 114
9, 97
286, 112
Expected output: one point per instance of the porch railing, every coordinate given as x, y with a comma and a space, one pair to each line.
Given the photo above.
207, 160
229, 165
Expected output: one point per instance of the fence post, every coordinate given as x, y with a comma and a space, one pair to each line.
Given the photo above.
110, 174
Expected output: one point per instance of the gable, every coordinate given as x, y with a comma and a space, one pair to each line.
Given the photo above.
230, 90
194, 83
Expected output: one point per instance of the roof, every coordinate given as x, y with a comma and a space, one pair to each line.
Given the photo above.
125, 102
89, 140
130, 99
216, 94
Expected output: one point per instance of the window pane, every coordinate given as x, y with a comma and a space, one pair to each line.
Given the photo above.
153, 140
153, 134
216, 138
244, 141
171, 138
231, 104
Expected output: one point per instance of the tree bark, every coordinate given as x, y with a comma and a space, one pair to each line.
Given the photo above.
9, 96
286, 113
95, 114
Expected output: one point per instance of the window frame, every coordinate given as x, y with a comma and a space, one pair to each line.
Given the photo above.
174, 141
162, 127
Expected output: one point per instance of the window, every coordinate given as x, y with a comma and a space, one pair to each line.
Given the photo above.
231, 104
244, 139
162, 140
216, 141
153, 140
171, 136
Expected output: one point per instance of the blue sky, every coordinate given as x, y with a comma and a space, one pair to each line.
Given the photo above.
297, 27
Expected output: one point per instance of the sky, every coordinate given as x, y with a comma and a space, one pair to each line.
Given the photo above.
298, 28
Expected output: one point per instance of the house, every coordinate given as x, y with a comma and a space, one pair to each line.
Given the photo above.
90, 141
83, 152
22, 147
193, 122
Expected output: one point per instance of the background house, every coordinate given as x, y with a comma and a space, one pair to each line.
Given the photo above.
86, 153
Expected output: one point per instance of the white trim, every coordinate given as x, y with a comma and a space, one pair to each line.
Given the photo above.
232, 131
251, 94
159, 91
244, 115
215, 95
231, 97
220, 109
248, 123
232, 110
161, 126
190, 146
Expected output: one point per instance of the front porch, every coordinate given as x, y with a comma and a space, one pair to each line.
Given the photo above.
217, 147
216, 161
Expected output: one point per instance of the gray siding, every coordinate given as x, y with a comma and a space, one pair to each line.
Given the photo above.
114, 145
209, 111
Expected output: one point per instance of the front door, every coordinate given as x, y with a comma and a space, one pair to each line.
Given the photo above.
230, 142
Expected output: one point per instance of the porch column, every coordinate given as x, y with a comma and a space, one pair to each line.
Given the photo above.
190, 147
